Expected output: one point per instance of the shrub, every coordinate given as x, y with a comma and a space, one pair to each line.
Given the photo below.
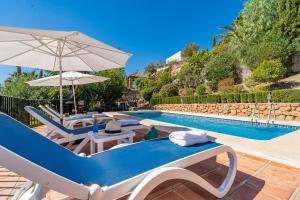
200, 89
213, 99
291, 96
156, 95
219, 68
187, 91
236, 98
244, 98
230, 98
147, 93
260, 88
261, 97
224, 84
268, 71
251, 98
168, 90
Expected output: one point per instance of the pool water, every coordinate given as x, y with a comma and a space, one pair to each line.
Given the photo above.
245, 129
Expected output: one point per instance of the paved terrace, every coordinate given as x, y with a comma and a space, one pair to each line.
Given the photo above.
257, 178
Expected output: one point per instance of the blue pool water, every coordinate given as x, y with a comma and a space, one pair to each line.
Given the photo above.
257, 131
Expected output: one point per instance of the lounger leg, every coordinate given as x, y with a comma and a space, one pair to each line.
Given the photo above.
81, 145
167, 173
30, 191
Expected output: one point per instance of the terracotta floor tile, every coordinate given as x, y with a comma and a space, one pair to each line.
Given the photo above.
7, 184
169, 196
163, 188
279, 190
210, 163
249, 165
217, 177
246, 192
274, 175
289, 168
5, 192
193, 192
297, 196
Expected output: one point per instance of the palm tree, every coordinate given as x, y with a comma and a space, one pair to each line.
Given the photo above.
19, 71
41, 72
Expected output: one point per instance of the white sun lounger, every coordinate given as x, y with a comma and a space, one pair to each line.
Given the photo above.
71, 121
70, 135
136, 168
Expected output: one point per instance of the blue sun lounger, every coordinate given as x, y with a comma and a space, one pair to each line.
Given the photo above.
136, 168
70, 135
71, 121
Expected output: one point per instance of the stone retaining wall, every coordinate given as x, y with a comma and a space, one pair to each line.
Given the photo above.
283, 111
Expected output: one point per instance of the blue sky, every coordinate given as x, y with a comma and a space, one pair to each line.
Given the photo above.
151, 30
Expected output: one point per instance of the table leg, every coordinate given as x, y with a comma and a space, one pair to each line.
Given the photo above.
100, 147
130, 140
92, 146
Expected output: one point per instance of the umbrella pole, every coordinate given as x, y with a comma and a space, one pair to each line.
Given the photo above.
74, 98
60, 83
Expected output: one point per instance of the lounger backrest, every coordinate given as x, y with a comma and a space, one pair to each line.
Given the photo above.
25, 143
53, 111
54, 115
48, 121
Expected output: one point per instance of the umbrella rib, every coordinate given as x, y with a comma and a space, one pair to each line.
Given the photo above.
46, 52
116, 51
81, 48
19, 54
43, 44
55, 58
85, 63
29, 40
99, 56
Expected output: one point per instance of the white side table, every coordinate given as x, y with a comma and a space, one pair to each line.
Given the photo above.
98, 139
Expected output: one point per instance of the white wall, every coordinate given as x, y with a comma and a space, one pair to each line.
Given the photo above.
176, 57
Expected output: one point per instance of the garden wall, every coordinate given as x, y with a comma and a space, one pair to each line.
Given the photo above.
283, 111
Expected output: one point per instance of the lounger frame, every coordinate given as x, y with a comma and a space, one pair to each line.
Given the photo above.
53, 130
71, 123
139, 185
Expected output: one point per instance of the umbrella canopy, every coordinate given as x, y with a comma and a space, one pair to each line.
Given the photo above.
57, 51
68, 78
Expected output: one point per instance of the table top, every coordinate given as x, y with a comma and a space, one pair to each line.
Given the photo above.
101, 136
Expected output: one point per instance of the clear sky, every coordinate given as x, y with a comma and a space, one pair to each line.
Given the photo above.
151, 30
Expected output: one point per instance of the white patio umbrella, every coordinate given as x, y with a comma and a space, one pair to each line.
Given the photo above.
68, 78
57, 51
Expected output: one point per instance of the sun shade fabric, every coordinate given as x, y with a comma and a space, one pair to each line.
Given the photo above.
68, 78
106, 168
40, 48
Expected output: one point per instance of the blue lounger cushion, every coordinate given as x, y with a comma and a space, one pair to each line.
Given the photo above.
71, 131
105, 169
89, 115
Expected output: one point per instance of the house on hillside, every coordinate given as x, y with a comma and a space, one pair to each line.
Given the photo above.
131, 78
174, 58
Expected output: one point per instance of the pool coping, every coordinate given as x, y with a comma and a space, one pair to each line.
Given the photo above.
274, 149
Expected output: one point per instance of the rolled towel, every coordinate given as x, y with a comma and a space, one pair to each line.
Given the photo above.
188, 134
188, 138
126, 122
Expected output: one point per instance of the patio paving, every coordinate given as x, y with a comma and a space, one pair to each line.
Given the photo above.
257, 178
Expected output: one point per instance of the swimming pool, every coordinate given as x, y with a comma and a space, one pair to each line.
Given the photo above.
245, 129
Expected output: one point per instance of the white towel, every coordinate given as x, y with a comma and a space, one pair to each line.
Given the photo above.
188, 138
126, 122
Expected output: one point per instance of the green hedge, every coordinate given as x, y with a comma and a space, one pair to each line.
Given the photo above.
278, 96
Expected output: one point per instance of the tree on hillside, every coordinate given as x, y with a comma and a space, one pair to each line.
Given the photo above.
16, 86
112, 89
289, 18
150, 69
189, 50
191, 74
